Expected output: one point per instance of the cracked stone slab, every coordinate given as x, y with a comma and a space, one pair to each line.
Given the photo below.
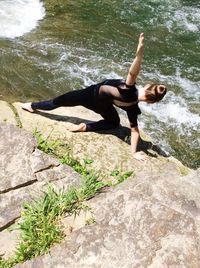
11, 206
11, 203
57, 173
131, 230
138, 224
39, 161
6, 113
23, 169
16, 146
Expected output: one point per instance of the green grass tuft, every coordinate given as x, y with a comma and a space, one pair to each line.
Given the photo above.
7, 263
45, 145
121, 176
39, 225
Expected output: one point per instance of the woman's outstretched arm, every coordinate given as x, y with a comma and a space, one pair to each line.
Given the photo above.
136, 65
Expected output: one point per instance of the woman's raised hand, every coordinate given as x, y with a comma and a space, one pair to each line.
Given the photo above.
140, 43
141, 39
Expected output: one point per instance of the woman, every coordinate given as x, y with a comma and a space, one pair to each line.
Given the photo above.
102, 97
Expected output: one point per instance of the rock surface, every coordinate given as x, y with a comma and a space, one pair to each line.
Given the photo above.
150, 220
135, 227
24, 173
108, 149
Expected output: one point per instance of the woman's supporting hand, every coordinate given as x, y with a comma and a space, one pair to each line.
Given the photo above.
140, 156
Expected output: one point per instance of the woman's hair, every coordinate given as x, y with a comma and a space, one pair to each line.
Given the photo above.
155, 93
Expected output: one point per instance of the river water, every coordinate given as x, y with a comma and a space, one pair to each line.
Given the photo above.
50, 47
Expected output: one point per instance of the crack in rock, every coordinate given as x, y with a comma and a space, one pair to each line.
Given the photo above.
28, 183
51, 166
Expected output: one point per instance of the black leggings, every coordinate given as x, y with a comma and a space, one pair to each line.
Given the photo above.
86, 98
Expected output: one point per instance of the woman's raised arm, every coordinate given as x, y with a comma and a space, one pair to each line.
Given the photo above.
135, 66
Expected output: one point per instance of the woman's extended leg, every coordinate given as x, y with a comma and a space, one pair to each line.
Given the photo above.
72, 98
84, 97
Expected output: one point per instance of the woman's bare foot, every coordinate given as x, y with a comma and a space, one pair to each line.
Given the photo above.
77, 128
27, 107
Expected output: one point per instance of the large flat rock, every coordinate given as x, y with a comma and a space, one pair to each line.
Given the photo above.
132, 230
55, 121
108, 149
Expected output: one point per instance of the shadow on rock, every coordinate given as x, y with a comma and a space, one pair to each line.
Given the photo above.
121, 132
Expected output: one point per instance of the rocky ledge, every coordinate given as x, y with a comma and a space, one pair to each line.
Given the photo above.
150, 220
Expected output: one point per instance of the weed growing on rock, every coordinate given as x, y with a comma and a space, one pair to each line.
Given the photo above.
91, 185
45, 145
7, 263
40, 221
90, 221
121, 176
67, 159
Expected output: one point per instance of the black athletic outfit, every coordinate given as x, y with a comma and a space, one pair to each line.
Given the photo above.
100, 100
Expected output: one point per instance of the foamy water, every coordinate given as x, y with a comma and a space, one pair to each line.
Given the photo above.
174, 113
18, 17
184, 19
84, 64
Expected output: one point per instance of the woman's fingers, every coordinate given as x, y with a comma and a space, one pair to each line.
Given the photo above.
140, 156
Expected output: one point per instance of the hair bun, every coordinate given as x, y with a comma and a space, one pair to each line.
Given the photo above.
161, 89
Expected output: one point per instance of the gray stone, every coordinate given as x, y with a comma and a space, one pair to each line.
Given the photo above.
150, 220
24, 170
39, 161
10, 238
131, 230
11, 203
15, 148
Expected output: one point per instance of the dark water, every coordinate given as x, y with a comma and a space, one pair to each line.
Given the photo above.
82, 42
